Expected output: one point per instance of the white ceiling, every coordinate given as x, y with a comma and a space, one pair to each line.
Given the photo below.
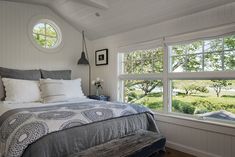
118, 16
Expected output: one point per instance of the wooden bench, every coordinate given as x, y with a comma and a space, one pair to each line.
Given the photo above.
141, 144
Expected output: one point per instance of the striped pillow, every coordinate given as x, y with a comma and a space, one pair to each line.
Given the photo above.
52, 91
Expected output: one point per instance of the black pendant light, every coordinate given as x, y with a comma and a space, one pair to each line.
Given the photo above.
84, 60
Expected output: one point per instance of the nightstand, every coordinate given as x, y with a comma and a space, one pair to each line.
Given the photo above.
101, 97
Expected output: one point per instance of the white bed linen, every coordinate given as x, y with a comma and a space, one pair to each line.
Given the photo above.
4, 107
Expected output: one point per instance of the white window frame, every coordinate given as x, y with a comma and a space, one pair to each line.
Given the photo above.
167, 76
55, 24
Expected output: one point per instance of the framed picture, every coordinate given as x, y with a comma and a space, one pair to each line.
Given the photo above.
101, 57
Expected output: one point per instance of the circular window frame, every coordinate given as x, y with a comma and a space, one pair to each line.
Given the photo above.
59, 43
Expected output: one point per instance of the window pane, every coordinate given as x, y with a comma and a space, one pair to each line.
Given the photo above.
194, 47
143, 61
50, 42
178, 50
40, 39
50, 31
137, 67
178, 63
127, 56
194, 62
213, 45
206, 98
127, 67
148, 65
229, 42
229, 60
46, 35
137, 55
212, 62
158, 65
144, 92
39, 28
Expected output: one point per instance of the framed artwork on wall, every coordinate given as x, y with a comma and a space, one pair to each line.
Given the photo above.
101, 57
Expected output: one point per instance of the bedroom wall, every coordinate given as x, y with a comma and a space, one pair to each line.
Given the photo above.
184, 137
18, 51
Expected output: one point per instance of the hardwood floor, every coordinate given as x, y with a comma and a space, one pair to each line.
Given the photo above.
172, 153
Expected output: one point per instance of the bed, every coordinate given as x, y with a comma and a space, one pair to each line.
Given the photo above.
61, 129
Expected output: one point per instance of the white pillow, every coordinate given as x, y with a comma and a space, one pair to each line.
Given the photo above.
73, 88
21, 90
60, 90
52, 91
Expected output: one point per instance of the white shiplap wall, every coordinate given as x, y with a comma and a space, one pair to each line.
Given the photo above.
17, 50
201, 142
197, 137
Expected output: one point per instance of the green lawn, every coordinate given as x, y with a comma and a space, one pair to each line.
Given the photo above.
194, 104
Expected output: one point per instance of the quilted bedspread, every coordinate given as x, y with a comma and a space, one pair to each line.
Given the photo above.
60, 130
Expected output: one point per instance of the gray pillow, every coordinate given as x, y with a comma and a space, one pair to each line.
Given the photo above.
20, 74
2, 91
57, 74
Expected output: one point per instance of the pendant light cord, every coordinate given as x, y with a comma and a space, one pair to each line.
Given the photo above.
84, 47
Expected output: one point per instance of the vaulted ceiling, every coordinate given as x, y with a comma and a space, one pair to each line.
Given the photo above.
100, 18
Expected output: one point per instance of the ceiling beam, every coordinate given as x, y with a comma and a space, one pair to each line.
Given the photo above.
101, 4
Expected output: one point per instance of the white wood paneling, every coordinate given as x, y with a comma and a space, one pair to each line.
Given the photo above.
18, 51
118, 16
197, 140
233, 147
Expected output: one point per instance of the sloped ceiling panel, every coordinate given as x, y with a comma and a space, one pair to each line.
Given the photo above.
100, 18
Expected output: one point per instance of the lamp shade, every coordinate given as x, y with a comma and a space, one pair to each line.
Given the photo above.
83, 59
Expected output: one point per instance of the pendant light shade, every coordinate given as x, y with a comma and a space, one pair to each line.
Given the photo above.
83, 60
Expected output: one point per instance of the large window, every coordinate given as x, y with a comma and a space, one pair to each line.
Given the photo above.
143, 61
195, 78
145, 92
210, 98
204, 55
139, 86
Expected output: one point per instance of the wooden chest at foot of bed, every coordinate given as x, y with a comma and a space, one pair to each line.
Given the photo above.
140, 144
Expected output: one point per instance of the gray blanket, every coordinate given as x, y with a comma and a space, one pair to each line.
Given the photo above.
60, 130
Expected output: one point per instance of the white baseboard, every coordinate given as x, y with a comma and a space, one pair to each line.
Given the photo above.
189, 150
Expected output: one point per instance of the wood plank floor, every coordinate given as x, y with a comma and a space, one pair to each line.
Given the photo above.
172, 153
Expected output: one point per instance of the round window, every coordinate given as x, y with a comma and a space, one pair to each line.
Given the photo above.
47, 34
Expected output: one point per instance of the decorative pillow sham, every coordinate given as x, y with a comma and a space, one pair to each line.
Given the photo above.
20, 74
60, 90
21, 90
58, 74
2, 91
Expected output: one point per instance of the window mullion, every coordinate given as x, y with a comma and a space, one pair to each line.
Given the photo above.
203, 55
166, 81
222, 55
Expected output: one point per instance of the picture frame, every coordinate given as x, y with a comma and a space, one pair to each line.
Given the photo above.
101, 57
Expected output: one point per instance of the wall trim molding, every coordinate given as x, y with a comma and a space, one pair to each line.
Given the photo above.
190, 122
189, 150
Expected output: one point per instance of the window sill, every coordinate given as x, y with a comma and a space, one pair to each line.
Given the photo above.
192, 122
